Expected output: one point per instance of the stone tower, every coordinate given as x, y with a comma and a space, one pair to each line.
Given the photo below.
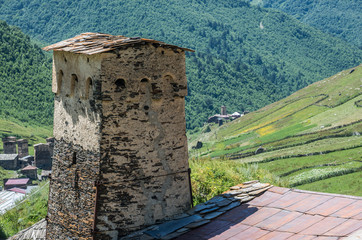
223, 110
23, 148
43, 156
9, 145
120, 151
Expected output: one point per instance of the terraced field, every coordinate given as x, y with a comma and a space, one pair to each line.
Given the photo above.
311, 139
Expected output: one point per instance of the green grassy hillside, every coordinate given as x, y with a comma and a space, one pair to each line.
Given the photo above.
310, 139
246, 57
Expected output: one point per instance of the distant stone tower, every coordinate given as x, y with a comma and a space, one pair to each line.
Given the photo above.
120, 154
9, 145
223, 110
23, 148
43, 156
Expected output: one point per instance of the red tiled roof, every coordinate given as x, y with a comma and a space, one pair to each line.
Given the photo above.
279, 213
92, 43
29, 167
17, 181
18, 190
283, 213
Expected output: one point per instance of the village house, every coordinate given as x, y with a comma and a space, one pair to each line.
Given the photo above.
9, 161
16, 183
223, 116
30, 172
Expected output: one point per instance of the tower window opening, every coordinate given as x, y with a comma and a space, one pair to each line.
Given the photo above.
88, 88
73, 84
74, 158
120, 84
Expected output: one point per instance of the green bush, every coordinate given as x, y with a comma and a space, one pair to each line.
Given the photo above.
210, 177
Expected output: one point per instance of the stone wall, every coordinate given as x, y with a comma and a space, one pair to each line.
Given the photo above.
72, 192
76, 154
77, 116
144, 161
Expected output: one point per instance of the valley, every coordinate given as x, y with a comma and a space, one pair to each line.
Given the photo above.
310, 137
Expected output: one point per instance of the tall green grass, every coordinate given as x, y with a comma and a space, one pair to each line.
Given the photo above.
26, 213
211, 177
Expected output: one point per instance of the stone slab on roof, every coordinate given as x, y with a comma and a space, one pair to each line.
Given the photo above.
7, 157
35, 232
93, 43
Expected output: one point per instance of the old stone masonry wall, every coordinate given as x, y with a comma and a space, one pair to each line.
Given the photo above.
143, 146
73, 192
76, 155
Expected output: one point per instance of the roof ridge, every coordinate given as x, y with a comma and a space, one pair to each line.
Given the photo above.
91, 43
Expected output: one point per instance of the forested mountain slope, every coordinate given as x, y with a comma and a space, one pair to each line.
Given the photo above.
25, 89
340, 18
246, 57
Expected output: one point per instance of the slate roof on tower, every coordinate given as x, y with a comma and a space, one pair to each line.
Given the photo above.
92, 43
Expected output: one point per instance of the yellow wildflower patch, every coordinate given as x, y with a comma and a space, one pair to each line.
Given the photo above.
265, 130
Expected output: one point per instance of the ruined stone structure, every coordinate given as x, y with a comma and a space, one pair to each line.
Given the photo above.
9, 145
23, 149
120, 154
43, 156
